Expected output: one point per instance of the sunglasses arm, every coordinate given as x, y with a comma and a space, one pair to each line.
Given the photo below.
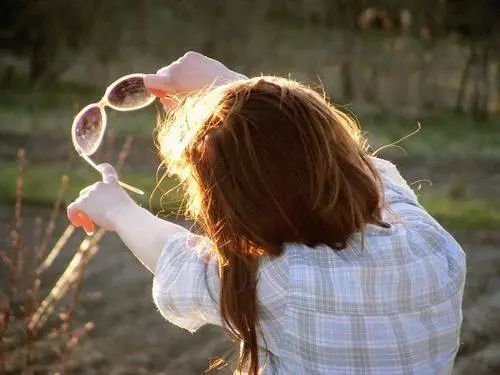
122, 184
102, 103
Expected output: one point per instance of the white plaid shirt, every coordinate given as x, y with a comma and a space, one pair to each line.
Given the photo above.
391, 307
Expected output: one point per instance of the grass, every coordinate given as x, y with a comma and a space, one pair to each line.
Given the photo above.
41, 182
442, 133
464, 213
25, 112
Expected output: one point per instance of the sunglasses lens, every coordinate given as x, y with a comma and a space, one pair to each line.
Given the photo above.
88, 129
129, 93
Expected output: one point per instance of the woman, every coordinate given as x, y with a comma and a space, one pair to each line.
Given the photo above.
316, 256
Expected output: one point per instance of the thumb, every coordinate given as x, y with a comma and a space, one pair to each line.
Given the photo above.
159, 85
108, 173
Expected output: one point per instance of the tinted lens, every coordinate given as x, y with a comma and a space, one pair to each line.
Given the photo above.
88, 129
129, 93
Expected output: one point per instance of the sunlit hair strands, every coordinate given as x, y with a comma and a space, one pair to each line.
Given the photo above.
267, 161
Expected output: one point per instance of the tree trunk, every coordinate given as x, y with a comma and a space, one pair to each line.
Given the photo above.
474, 103
485, 80
346, 77
464, 80
43, 61
38, 62
480, 97
496, 88
371, 89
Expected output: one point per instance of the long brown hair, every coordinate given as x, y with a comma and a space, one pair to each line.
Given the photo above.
267, 161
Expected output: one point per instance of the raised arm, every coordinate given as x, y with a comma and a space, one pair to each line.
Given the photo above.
396, 189
399, 198
188, 74
108, 205
185, 286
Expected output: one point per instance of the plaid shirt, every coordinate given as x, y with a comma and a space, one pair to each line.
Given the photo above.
391, 307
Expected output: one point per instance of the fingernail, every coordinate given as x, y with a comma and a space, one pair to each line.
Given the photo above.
74, 219
87, 224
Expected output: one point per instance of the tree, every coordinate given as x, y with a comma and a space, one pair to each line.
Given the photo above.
475, 22
51, 34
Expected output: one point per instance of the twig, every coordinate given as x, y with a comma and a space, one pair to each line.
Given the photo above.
4, 316
31, 300
109, 146
12, 263
124, 152
16, 232
63, 186
30, 307
72, 275
56, 249
84, 253
73, 337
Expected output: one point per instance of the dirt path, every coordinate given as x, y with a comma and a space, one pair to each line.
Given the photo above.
130, 336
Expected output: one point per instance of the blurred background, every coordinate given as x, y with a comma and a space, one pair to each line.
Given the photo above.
393, 64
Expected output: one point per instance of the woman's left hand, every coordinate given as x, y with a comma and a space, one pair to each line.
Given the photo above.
189, 73
103, 202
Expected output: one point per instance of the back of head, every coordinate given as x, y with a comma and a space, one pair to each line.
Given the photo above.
273, 162
268, 161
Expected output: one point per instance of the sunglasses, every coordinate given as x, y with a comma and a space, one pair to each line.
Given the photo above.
127, 93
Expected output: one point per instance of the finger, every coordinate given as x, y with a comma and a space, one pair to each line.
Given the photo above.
169, 103
167, 69
79, 219
86, 223
73, 215
85, 190
164, 71
108, 173
159, 85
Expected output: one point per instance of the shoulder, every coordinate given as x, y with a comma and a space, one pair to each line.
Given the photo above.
186, 283
398, 270
273, 275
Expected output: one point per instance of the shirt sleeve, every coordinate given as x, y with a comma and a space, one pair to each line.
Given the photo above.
398, 196
186, 282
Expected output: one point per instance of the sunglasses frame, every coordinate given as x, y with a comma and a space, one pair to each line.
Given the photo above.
104, 102
101, 105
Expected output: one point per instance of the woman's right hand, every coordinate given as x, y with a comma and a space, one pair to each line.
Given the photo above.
190, 73
103, 203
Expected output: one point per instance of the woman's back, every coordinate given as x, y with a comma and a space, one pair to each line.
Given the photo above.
315, 257
393, 307
387, 303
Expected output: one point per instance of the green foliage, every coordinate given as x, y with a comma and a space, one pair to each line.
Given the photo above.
443, 134
41, 180
473, 20
52, 34
50, 111
465, 213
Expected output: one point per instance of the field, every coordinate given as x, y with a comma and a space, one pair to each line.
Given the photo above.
453, 164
